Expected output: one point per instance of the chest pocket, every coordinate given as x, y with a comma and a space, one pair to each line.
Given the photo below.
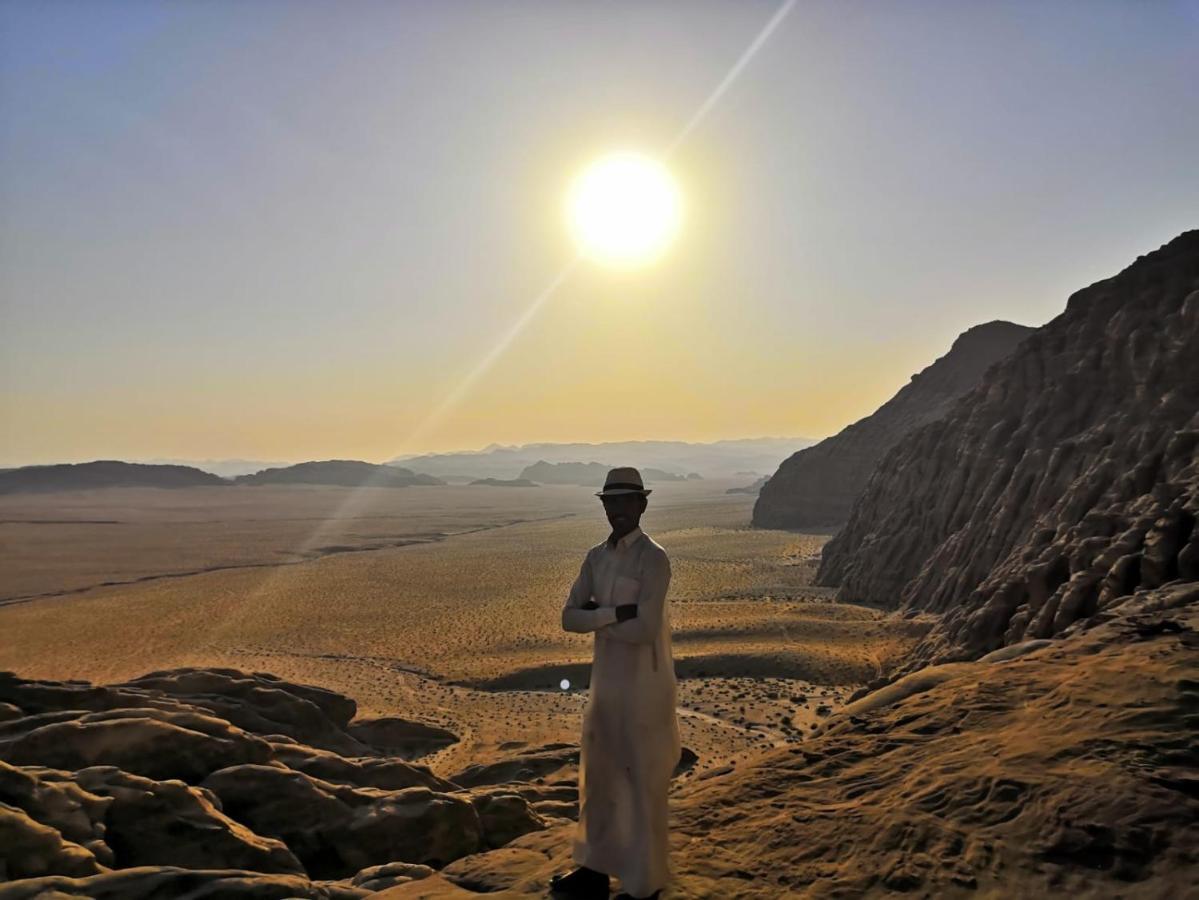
625, 590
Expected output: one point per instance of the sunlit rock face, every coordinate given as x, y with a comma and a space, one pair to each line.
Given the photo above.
1064, 487
815, 487
121, 790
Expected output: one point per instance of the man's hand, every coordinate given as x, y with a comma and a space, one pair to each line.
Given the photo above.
626, 611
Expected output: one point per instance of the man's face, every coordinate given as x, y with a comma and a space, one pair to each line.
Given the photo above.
623, 511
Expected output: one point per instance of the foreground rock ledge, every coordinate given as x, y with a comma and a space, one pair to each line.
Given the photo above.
1057, 767
201, 779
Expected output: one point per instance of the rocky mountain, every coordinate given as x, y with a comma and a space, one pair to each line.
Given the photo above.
103, 473
719, 459
754, 488
587, 474
344, 472
226, 468
1064, 487
815, 487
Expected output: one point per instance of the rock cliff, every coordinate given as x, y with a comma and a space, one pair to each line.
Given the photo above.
1063, 487
815, 487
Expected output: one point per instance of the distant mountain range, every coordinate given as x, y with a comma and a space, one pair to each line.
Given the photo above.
754, 488
719, 459
108, 473
226, 468
582, 464
344, 472
592, 473
103, 473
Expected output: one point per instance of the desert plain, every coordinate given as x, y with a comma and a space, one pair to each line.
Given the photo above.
435, 603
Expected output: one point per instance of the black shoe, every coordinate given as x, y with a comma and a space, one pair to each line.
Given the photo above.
583, 883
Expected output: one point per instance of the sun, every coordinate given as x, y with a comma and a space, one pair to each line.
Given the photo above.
624, 209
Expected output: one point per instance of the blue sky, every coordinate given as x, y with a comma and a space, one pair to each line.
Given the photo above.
288, 230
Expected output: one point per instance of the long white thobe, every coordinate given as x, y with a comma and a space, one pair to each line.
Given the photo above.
631, 740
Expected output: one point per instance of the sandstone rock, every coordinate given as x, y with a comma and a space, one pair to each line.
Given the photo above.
496, 870
413, 825
504, 815
74, 813
402, 737
29, 849
297, 809
38, 696
523, 767
155, 743
1058, 771
376, 878
173, 883
15, 728
386, 773
174, 824
257, 702
337, 829
556, 809
816, 487
262, 703
549, 800
435, 887
1059, 488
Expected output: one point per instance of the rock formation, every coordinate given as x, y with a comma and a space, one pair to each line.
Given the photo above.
816, 487
587, 474
1065, 486
953, 781
343, 472
755, 488
118, 790
102, 473
719, 459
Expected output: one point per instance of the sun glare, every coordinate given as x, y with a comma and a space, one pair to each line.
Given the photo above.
624, 210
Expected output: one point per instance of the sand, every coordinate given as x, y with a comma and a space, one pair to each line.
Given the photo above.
435, 603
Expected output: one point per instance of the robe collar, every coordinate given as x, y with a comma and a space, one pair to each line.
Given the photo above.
626, 540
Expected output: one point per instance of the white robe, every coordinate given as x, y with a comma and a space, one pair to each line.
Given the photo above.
631, 740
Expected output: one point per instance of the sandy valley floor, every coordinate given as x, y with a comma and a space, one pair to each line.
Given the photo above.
436, 603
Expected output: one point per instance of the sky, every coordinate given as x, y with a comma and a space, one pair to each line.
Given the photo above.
297, 230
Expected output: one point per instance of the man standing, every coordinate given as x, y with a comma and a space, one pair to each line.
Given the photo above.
631, 742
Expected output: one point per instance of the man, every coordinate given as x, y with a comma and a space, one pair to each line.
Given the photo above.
630, 743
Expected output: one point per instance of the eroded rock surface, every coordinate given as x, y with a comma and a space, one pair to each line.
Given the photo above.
149, 789
1065, 770
1064, 487
815, 487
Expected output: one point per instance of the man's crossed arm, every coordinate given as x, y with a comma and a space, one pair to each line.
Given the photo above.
635, 623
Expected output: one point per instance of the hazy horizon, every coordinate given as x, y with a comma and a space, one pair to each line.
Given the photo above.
228, 458
279, 231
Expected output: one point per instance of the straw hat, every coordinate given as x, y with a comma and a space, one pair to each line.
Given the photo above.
623, 480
